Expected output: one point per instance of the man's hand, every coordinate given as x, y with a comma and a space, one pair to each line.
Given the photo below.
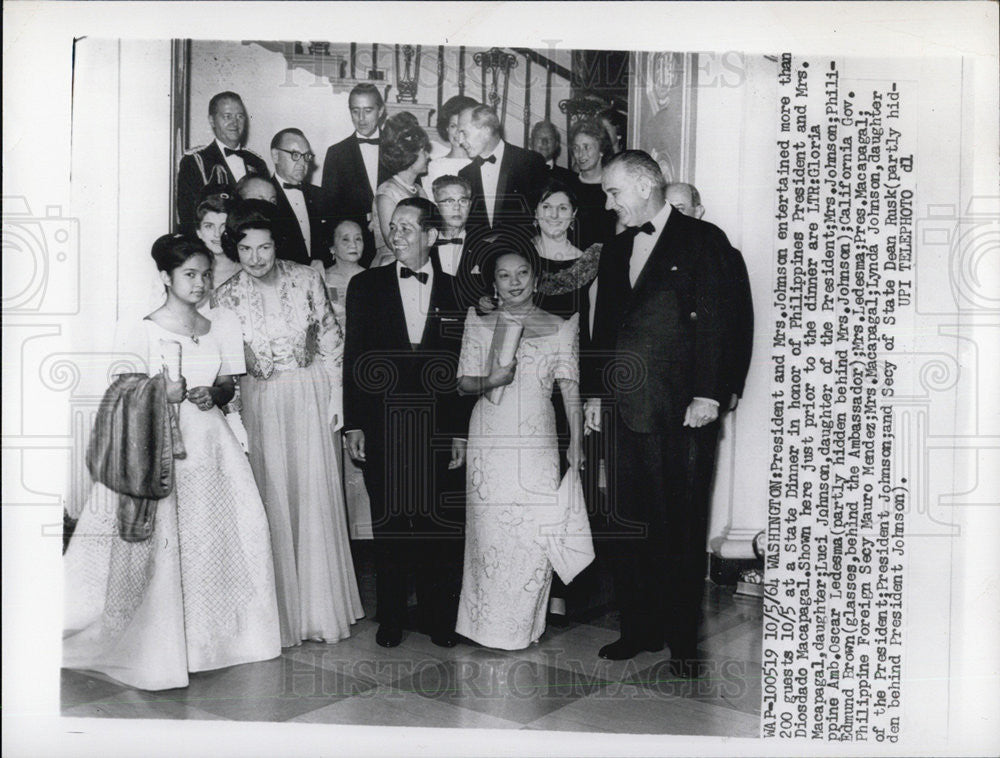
592, 416
356, 444
734, 401
700, 412
458, 447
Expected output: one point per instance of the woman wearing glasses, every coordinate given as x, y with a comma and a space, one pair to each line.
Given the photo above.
291, 407
405, 152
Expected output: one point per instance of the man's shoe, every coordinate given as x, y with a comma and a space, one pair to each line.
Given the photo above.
389, 636
623, 649
445, 639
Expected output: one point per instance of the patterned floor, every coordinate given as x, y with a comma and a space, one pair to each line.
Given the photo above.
559, 684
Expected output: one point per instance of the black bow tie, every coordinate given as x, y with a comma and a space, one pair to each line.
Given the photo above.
229, 151
646, 228
363, 141
406, 273
452, 241
288, 185
479, 160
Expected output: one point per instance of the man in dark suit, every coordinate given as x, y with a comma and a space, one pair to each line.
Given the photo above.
220, 164
405, 421
298, 223
506, 180
352, 170
458, 250
739, 339
546, 142
657, 358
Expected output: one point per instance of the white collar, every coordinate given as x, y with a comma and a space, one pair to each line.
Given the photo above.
426, 267
498, 152
374, 135
223, 147
660, 219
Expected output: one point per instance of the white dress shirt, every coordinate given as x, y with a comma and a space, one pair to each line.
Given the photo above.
369, 154
490, 173
643, 245
297, 200
235, 162
451, 253
416, 299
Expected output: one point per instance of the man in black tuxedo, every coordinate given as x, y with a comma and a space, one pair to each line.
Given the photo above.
657, 358
739, 339
506, 180
546, 142
352, 170
404, 420
220, 164
298, 223
456, 248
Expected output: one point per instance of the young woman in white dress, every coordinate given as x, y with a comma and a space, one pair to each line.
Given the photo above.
199, 594
512, 459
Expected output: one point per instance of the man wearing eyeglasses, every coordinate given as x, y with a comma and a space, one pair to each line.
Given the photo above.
219, 164
298, 221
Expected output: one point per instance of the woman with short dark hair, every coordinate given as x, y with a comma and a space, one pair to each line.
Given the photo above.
456, 158
291, 409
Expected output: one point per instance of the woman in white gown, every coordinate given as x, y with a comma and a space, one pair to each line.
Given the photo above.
199, 593
513, 457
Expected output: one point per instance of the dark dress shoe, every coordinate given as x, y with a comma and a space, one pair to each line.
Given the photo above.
445, 639
623, 649
389, 636
558, 620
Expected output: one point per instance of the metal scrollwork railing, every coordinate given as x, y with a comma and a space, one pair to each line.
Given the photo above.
494, 64
407, 74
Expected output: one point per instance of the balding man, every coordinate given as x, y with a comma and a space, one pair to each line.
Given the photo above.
221, 163
657, 358
298, 221
506, 180
739, 340
253, 187
546, 142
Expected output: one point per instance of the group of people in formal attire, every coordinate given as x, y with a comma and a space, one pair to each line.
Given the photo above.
339, 362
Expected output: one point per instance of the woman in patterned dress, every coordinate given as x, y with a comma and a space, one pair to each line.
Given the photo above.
291, 409
199, 593
513, 457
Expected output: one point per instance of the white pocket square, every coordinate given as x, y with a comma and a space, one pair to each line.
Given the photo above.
445, 318
475, 269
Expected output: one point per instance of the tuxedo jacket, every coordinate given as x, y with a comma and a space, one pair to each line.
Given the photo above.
291, 243
739, 338
523, 175
561, 173
405, 400
658, 345
347, 193
204, 166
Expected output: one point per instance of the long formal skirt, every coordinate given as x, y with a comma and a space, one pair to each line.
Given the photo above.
197, 595
297, 470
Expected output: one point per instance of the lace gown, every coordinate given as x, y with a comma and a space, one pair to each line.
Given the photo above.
199, 594
512, 478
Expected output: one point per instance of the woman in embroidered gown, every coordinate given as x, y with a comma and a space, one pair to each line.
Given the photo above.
199, 593
513, 457
405, 152
291, 405
346, 248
